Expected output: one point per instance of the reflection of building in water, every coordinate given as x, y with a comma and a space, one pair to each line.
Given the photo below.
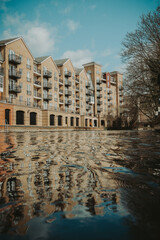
55, 173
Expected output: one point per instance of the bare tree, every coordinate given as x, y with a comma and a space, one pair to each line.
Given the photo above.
141, 53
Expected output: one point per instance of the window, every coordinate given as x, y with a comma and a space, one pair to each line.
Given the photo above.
73, 75
108, 77
21, 85
97, 72
1, 84
20, 98
66, 120
55, 106
28, 101
28, 77
44, 105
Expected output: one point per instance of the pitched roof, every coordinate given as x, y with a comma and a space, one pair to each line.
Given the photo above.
3, 42
41, 59
60, 62
78, 70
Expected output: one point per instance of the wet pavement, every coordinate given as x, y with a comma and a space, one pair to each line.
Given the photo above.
80, 185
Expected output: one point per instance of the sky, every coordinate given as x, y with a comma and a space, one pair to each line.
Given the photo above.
82, 30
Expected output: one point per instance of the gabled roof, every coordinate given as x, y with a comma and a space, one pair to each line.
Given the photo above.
6, 41
91, 63
78, 70
41, 59
60, 62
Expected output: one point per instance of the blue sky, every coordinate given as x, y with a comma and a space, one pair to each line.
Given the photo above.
84, 30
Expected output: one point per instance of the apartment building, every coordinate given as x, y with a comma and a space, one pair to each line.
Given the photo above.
45, 92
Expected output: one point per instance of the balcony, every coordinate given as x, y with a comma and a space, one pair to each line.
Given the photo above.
103, 78
121, 99
1, 71
77, 97
88, 84
60, 81
28, 66
37, 95
15, 59
98, 81
36, 71
99, 88
15, 74
88, 107
99, 95
37, 83
113, 81
47, 97
29, 92
77, 105
68, 102
69, 93
15, 88
60, 91
99, 109
91, 100
47, 85
99, 102
67, 74
67, 83
55, 78
36, 105
61, 101
77, 80
87, 99
88, 92
109, 98
77, 89
47, 74
109, 91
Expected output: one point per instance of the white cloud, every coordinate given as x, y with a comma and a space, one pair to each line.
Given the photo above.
40, 38
79, 57
106, 53
72, 25
66, 10
3, 4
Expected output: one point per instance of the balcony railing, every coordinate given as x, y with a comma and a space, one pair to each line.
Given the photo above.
88, 92
36, 70
109, 91
69, 93
67, 83
77, 105
15, 88
1, 71
99, 88
77, 96
77, 89
99, 102
109, 98
47, 97
98, 81
13, 58
35, 104
88, 84
67, 74
15, 74
37, 95
38, 83
47, 85
68, 102
99, 95
99, 109
60, 81
47, 74
77, 80
61, 91
61, 101
28, 66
